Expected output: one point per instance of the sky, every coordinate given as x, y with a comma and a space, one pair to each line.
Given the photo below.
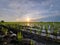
35, 10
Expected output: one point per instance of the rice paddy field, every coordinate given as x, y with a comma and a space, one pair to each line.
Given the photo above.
56, 25
45, 29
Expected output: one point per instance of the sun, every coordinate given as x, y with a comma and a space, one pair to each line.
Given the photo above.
28, 19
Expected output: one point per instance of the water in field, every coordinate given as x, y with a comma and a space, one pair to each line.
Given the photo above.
41, 29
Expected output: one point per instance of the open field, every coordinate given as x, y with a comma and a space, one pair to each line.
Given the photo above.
45, 29
55, 25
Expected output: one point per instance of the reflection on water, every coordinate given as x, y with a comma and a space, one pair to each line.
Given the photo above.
28, 24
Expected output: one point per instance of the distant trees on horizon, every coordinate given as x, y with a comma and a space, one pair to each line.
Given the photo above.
2, 21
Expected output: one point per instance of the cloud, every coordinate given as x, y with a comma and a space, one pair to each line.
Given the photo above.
21, 9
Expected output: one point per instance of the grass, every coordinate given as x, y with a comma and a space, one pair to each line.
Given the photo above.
54, 26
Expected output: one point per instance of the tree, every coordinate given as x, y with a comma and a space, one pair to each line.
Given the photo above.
2, 21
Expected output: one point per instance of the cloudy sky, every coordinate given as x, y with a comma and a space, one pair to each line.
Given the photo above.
35, 10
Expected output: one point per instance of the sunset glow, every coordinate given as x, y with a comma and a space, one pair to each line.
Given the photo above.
28, 19
30, 10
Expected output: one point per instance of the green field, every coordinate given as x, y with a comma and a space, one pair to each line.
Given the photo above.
55, 26
52, 24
